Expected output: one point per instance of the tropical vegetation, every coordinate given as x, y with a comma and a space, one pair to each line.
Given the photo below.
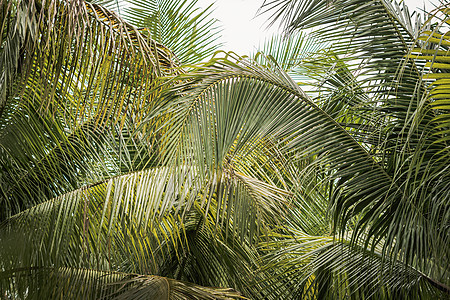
138, 161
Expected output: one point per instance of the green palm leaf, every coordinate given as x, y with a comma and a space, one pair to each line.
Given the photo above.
92, 284
188, 31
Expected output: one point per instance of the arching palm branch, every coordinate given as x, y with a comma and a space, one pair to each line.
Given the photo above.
378, 95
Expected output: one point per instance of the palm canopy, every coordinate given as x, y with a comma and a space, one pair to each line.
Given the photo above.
126, 174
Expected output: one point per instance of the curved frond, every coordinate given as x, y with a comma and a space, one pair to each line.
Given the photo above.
39, 283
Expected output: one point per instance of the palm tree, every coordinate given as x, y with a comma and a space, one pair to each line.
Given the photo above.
127, 174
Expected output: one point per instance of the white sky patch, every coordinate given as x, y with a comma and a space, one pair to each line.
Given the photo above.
243, 30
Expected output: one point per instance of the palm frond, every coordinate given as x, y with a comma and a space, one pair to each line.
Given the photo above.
87, 72
227, 100
288, 51
392, 119
319, 267
435, 51
191, 33
38, 283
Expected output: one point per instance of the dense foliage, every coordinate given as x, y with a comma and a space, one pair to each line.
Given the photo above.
134, 166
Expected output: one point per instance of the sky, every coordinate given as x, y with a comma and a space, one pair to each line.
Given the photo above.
243, 31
